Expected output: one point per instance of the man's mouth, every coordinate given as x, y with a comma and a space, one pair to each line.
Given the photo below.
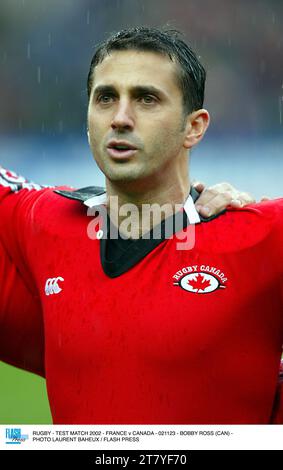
118, 149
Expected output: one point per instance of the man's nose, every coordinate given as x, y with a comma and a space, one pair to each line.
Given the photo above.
123, 117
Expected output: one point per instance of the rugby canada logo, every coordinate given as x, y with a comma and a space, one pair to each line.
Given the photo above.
200, 279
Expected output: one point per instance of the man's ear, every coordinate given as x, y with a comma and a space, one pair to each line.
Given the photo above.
197, 123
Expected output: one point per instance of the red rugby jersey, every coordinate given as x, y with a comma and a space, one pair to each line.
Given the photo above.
183, 337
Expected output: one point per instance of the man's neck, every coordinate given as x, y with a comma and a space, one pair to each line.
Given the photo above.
139, 212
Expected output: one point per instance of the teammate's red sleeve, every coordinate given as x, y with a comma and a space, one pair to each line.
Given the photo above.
274, 209
21, 326
277, 413
21, 320
18, 198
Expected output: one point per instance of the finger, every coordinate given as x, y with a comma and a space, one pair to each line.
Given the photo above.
236, 203
245, 198
215, 205
242, 200
208, 195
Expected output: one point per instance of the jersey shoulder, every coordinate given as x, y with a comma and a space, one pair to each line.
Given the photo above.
270, 207
17, 191
263, 221
273, 212
238, 229
24, 203
268, 214
41, 209
11, 182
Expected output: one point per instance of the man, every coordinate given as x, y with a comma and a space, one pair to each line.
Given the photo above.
143, 331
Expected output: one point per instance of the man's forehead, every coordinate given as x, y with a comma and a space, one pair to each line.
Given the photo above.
136, 68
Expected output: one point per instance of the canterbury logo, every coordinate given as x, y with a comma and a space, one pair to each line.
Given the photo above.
51, 285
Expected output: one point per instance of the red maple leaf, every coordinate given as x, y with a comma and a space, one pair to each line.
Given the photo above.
199, 283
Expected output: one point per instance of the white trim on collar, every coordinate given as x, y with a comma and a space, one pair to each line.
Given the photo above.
96, 200
189, 206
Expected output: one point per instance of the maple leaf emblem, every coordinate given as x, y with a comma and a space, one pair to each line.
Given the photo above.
199, 283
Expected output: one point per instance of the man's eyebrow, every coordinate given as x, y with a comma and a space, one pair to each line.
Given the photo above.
147, 89
103, 89
135, 90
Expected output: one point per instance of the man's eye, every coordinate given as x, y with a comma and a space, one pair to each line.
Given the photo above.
148, 99
104, 98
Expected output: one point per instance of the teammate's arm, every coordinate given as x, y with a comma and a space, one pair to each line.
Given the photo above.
21, 326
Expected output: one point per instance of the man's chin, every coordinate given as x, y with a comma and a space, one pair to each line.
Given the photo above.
123, 179
123, 175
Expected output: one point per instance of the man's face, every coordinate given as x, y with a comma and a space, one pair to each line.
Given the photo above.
135, 98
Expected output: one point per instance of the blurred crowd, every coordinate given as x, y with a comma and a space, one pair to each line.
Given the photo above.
46, 48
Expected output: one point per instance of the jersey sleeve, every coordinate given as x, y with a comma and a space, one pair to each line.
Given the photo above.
274, 210
279, 243
18, 200
277, 415
21, 325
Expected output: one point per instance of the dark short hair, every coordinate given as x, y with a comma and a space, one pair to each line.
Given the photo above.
170, 42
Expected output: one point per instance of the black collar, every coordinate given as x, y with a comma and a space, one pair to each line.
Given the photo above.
82, 194
89, 192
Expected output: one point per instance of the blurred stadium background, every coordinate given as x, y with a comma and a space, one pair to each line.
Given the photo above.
46, 48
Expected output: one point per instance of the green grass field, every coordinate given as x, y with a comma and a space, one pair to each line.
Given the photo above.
23, 397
